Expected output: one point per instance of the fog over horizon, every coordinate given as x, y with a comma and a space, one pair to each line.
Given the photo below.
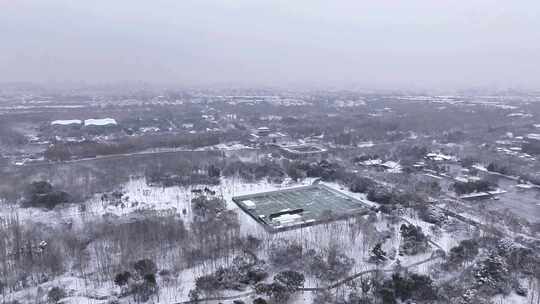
382, 44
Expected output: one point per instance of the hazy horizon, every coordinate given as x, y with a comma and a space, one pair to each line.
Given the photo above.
381, 44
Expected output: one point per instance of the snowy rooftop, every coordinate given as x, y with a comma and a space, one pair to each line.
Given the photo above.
534, 136
304, 149
287, 218
372, 162
66, 122
391, 166
519, 114
100, 122
438, 156
249, 203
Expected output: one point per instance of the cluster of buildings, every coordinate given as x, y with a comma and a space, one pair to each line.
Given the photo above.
264, 135
287, 146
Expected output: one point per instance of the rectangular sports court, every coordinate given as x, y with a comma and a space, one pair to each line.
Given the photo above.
298, 207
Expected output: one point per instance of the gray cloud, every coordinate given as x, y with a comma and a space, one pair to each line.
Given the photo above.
380, 43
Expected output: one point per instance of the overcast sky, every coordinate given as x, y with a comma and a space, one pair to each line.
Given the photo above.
380, 43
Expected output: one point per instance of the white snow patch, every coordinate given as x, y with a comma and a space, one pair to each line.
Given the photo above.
365, 144
100, 122
287, 218
439, 156
249, 203
66, 122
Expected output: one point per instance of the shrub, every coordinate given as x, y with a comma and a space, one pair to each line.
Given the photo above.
286, 254
431, 214
324, 297
377, 254
251, 243
145, 289
290, 279
330, 267
381, 196
473, 186
122, 278
361, 184
414, 286
466, 250
260, 301
56, 294
284, 285
493, 167
205, 207
145, 267
414, 240
207, 284
492, 275
43, 195
194, 295
274, 290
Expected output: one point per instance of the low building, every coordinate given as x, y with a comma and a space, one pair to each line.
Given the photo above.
305, 151
68, 122
531, 143
389, 166
263, 131
264, 135
101, 122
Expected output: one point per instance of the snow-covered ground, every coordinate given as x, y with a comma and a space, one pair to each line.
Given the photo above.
77, 289
138, 195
